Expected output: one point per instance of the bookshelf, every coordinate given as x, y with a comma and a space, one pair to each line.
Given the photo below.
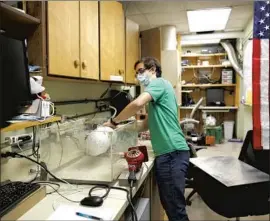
191, 73
207, 85
206, 66
192, 55
15, 23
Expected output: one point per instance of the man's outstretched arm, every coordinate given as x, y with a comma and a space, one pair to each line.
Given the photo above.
132, 108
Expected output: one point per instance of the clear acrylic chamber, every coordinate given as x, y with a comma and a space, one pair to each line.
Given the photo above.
83, 151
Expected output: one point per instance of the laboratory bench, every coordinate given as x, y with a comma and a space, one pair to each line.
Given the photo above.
115, 205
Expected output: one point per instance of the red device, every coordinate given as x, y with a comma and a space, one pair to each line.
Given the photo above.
135, 157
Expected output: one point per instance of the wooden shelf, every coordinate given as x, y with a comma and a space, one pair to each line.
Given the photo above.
207, 85
206, 66
15, 23
26, 124
210, 108
203, 55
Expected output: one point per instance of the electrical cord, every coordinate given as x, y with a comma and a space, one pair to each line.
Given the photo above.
130, 192
19, 146
13, 154
47, 183
34, 151
61, 144
31, 181
129, 196
56, 191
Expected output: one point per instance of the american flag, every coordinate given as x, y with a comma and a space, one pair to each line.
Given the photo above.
260, 75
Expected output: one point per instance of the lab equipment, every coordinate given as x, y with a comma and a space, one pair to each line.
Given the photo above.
91, 153
135, 158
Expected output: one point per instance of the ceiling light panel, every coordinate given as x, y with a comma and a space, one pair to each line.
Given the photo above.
208, 19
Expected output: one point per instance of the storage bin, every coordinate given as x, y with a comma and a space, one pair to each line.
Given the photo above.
227, 76
228, 129
216, 132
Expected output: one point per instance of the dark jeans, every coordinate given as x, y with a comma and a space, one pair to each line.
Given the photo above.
171, 169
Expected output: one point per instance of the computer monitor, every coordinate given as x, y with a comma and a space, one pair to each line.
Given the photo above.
119, 100
215, 97
15, 80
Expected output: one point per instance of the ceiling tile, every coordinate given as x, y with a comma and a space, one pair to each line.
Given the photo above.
130, 8
182, 28
156, 7
166, 18
139, 19
150, 14
193, 5
239, 24
241, 12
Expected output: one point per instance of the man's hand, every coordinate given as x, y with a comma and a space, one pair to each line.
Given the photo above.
109, 124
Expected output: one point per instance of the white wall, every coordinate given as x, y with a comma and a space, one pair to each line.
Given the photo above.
244, 117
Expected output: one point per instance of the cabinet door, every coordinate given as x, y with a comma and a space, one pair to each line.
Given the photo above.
63, 37
112, 41
132, 50
120, 44
89, 40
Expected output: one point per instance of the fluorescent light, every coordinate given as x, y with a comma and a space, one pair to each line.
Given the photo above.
208, 19
199, 42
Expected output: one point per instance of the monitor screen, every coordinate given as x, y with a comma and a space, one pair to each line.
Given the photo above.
15, 83
215, 97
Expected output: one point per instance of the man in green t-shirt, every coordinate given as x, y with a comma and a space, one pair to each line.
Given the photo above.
168, 141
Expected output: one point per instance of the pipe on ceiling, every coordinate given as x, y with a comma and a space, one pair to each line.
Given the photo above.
225, 35
168, 37
232, 56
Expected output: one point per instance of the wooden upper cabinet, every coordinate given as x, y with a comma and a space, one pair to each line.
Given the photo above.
63, 38
120, 40
112, 41
89, 39
132, 50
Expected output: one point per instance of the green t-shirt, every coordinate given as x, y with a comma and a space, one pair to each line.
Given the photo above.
165, 130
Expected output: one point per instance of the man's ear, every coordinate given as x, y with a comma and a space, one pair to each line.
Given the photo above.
153, 69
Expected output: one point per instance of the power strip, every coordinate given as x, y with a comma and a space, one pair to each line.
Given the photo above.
19, 138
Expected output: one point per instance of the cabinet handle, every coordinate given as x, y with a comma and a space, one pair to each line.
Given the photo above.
84, 65
121, 72
76, 63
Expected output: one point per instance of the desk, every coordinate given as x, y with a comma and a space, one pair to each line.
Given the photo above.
231, 187
116, 200
230, 171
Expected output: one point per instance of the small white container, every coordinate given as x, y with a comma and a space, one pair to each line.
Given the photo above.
228, 129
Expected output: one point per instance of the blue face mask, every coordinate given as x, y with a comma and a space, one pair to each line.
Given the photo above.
143, 79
